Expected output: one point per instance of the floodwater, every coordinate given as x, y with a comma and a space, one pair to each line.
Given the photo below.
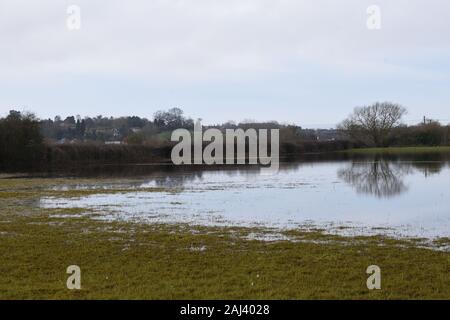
400, 197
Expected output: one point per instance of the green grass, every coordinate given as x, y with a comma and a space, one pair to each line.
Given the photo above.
400, 150
137, 261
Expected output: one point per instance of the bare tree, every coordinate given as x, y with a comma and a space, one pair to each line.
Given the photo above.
373, 124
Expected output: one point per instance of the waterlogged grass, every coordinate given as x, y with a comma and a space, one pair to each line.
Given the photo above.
26, 188
400, 150
121, 260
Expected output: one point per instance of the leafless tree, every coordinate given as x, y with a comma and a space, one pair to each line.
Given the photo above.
373, 124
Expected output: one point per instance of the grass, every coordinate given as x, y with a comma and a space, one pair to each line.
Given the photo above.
120, 260
400, 150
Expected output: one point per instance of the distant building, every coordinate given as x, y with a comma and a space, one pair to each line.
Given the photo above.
136, 130
113, 142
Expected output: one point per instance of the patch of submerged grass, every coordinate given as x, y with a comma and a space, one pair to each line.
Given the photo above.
87, 192
138, 261
442, 243
26, 188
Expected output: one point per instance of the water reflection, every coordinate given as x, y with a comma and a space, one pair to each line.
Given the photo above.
429, 168
383, 177
379, 178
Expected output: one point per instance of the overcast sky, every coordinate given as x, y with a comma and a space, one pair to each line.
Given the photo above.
303, 61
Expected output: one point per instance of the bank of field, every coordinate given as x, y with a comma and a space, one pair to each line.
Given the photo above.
120, 260
400, 150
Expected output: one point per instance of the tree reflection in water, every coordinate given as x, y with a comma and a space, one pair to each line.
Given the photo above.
380, 178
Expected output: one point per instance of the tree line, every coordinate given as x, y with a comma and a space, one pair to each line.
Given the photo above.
122, 129
26, 141
154, 132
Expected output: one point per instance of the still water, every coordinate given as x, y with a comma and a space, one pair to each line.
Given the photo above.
394, 197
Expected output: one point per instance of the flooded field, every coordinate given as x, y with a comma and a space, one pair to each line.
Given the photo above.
159, 231
399, 197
